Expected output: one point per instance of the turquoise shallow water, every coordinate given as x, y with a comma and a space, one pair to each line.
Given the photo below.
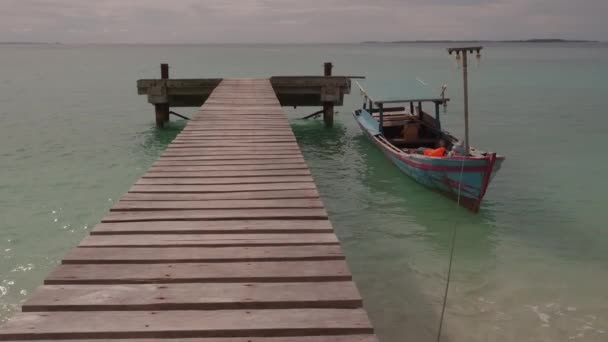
532, 266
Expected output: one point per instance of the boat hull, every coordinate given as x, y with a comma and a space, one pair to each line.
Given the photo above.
463, 179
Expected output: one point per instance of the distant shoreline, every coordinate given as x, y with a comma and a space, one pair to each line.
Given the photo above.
28, 43
447, 41
482, 41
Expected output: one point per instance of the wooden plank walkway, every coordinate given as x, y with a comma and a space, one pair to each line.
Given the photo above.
224, 239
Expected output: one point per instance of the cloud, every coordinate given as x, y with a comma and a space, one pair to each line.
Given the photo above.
216, 21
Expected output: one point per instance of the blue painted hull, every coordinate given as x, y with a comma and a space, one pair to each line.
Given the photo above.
464, 179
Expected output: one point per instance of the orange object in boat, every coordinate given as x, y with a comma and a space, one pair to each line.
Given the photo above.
438, 152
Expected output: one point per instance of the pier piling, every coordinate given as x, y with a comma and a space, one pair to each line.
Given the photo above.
162, 109
328, 106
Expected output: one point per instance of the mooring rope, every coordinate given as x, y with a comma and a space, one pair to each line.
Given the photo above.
363, 93
177, 114
366, 96
452, 249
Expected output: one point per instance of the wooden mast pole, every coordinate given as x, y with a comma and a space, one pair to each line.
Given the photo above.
463, 52
465, 76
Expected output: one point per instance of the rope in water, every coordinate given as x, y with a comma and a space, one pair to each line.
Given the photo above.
366, 96
452, 249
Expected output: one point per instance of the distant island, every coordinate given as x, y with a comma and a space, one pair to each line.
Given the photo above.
483, 41
27, 43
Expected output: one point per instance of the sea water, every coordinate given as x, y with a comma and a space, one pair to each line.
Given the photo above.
531, 266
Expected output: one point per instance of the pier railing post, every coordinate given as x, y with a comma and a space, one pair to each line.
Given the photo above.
162, 109
328, 107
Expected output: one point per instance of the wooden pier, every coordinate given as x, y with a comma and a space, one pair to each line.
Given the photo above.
224, 239
324, 91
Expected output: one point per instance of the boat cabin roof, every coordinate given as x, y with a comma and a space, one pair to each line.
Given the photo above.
434, 100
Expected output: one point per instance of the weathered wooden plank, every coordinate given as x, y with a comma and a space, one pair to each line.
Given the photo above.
223, 180
252, 161
208, 240
326, 338
186, 323
230, 141
234, 135
222, 134
203, 118
228, 296
214, 121
195, 153
233, 143
211, 121
215, 227
253, 134
243, 108
239, 119
237, 128
221, 188
231, 157
266, 94
245, 272
215, 139
267, 110
238, 116
219, 174
230, 145
164, 255
211, 214
244, 195
213, 169
246, 147
238, 125
227, 153
242, 121
248, 109
237, 104
217, 204
243, 96
229, 135
242, 102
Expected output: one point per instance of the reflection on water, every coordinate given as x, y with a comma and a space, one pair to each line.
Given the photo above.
153, 140
433, 214
329, 143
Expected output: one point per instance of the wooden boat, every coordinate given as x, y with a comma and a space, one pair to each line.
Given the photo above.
401, 132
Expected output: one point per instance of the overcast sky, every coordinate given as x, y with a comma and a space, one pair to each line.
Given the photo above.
298, 21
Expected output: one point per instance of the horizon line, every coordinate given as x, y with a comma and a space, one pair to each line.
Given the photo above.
533, 40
